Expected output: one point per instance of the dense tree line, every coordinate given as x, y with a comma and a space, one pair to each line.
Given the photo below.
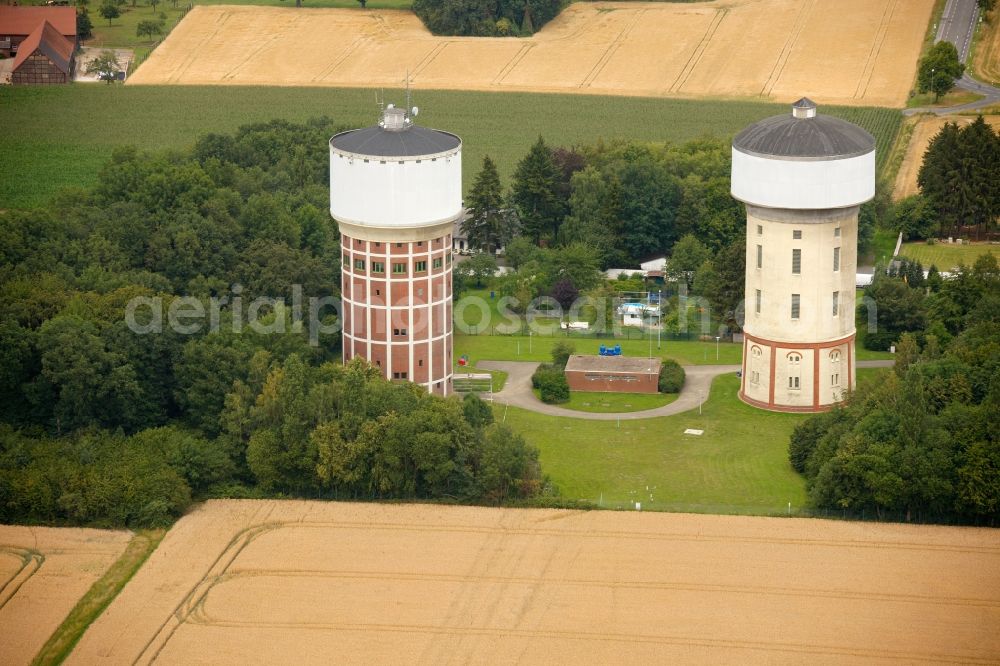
922, 443
958, 180
904, 301
479, 18
101, 425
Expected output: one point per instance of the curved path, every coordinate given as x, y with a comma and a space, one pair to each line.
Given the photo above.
517, 390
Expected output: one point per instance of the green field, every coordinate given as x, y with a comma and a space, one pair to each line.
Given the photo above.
740, 464
947, 256
613, 403
59, 136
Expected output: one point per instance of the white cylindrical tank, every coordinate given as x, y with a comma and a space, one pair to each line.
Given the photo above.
407, 177
395, 192
803, 177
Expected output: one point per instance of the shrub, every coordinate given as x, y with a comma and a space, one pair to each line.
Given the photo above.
551, 384
561, 351
671, 377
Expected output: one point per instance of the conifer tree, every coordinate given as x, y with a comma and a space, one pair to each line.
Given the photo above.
488, 227
535, 193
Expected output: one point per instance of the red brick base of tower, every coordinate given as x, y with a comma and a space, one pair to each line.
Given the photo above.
397, 305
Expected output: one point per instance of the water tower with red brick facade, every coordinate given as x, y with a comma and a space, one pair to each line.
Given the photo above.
396, 192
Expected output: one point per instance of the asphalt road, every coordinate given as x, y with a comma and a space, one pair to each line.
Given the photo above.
958, 22
698, 382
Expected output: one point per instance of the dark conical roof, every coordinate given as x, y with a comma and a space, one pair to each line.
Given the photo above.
804, 135
410, 142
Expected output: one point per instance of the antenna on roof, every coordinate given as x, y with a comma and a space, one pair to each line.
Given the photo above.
408, 107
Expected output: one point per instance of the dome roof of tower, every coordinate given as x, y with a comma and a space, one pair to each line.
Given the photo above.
804, 135
380, 142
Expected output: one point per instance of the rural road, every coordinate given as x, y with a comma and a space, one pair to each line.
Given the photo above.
958, 24
517, 391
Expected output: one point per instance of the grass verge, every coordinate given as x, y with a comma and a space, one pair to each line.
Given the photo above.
97, 598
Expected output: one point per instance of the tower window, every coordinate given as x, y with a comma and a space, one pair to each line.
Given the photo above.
760, 230
836, 303
399, 245
836, 232
836, 259
795, 306
359, 264
399, 268
358, 242
437, 263
420, 363
399, 331
793, 372
420, 266
757, 302
420, 243
796, 261
378, 267
797, 234
835, 379
760, 255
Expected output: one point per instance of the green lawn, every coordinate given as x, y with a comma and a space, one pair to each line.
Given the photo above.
59, 136
611, 403
539, 348
499, 376
947, 256
739, 465
121, 32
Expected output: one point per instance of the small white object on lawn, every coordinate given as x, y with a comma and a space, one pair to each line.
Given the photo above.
694, 431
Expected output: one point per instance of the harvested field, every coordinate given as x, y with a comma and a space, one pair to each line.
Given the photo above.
313, 582
986, 59
926, 129
852, 52
43, 573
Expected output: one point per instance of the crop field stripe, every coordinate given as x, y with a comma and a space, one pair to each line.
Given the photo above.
429, 58
883, 29
786, 51
605, 584
654, 639
612, 48
699, 51
191, 610
31, 562
512, 63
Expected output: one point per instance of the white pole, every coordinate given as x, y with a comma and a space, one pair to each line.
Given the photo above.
659, 316
717, 348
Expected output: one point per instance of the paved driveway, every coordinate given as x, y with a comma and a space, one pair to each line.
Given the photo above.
517, 391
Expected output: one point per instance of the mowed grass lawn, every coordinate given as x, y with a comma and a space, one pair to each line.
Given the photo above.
947, 256
539, 348
739, 465
610, 403
60, 136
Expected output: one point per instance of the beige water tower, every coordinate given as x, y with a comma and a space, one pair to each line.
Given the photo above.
803, 177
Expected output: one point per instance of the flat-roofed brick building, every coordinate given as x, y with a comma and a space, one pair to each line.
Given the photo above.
613, 374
